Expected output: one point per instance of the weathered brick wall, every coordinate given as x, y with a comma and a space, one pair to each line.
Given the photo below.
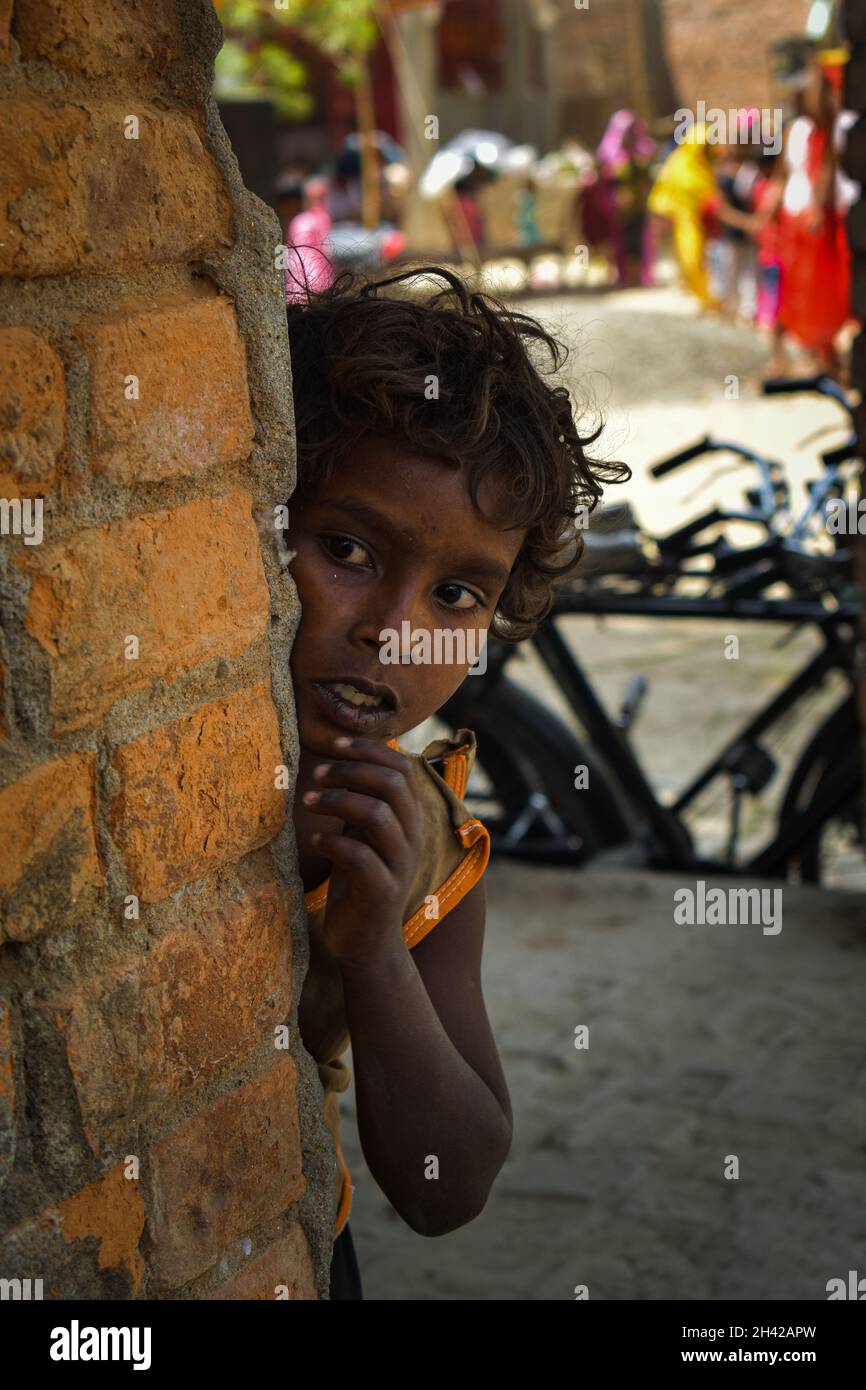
592, 70
717, 51
160, 1136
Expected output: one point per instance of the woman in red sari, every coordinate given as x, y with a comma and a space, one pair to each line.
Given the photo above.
813, 246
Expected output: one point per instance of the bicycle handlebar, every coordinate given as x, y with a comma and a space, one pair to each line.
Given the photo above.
675, 541
775, 386
787, 386
849, 450
819, 385
773, 492
667, 465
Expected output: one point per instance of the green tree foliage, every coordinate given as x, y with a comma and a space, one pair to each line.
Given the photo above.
256, 58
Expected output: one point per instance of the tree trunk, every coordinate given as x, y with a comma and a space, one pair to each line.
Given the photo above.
369, 161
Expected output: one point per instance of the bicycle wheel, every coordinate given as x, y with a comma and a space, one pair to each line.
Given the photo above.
523, 784
823, 805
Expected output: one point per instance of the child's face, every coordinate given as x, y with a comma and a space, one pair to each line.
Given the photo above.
392, 539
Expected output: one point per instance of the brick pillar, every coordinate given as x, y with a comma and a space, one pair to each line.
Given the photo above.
854, 26
160, 1122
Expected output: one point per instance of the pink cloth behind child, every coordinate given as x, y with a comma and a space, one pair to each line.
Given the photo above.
307, 263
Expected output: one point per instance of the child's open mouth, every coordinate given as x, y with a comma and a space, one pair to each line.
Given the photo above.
356, 706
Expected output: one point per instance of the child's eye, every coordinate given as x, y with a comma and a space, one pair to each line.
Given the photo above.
475, 602
331, 543
346, 551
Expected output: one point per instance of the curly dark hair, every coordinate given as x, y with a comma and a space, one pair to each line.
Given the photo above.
364, 352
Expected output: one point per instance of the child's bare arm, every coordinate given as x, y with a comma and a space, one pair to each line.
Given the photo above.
428, 1080
430, 1091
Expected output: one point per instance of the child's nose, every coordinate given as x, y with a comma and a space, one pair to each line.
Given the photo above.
394, 613
397, 603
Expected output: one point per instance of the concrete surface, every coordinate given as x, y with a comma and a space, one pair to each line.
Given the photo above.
704, 1041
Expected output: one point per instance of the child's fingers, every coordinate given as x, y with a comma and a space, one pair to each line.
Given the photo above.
363, 776
373, 817
369, 749
384, 784
377, 771
355, 857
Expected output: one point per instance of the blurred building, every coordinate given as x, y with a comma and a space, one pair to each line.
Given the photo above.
733, 52
541, 70
538, 71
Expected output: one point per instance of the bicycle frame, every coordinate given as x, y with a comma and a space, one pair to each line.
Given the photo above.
751, 570
670, 836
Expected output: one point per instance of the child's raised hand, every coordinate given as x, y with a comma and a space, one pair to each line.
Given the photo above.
375, 856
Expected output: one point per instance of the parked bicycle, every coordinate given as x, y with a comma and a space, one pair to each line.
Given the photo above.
526, 786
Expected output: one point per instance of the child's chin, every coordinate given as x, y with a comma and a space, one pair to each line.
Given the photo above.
317, 737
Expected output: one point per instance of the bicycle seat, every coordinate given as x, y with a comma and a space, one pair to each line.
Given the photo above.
613, 542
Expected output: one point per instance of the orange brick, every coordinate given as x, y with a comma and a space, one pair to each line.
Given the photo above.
32, 412
192, 407
111, 1210
99, 40
79, 195
49, 860
223, 1173
189, 584
193, 1007
285, 1270
198, 793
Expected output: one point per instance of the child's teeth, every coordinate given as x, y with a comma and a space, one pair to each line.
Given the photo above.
356, 697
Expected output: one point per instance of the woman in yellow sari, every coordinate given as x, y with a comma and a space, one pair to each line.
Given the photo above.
685, 193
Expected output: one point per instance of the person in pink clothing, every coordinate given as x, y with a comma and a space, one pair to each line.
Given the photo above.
307, 265
623, 160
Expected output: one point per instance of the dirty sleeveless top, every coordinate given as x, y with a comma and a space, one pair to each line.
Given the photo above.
455, 849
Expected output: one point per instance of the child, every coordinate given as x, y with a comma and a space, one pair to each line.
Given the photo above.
766, 234
736, 176
433, 460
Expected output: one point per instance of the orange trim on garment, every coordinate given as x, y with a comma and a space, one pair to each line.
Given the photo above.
456, 885
455, 772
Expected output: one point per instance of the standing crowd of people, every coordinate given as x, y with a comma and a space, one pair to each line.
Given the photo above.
757, 224
758, 228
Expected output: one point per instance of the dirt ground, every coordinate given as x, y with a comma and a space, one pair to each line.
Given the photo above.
705, 1041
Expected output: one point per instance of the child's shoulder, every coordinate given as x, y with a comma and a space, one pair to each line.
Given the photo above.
455, 845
